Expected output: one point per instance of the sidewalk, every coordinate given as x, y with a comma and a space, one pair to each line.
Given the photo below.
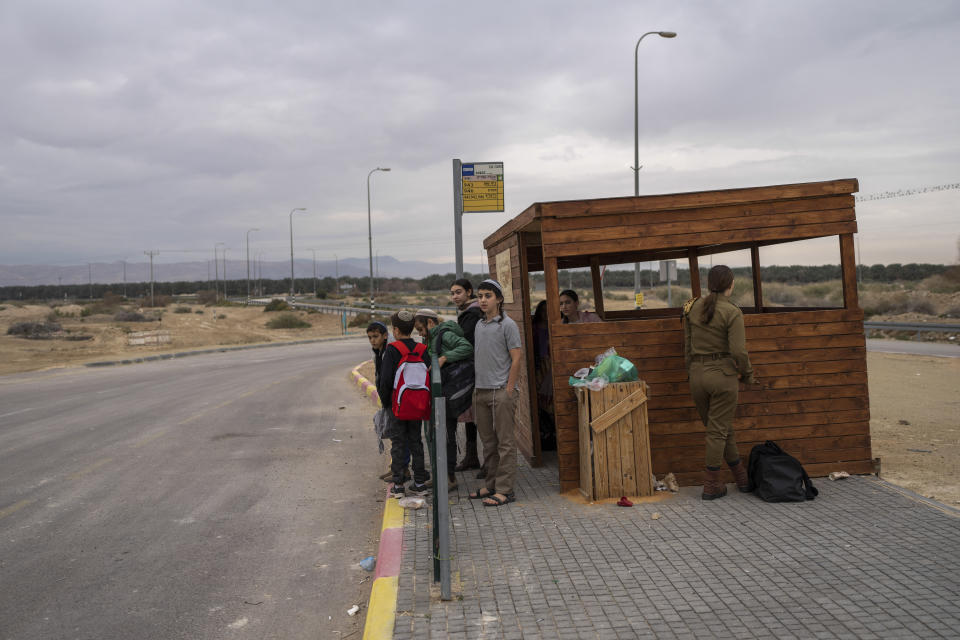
864, 560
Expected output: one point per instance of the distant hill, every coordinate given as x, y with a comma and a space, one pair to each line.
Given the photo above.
113, 272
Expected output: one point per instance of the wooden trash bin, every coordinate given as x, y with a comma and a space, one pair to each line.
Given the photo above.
614, 441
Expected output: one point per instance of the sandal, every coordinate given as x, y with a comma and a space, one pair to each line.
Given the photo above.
476, 495
499, 502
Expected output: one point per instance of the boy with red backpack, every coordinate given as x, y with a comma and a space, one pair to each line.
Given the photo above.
404, 389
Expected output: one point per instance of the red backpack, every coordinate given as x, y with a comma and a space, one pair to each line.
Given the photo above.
411, 386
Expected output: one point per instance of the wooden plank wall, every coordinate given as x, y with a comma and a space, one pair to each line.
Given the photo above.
524, 420
815, 404
775, 220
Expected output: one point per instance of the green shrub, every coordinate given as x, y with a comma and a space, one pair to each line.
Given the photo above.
183, 309
277, 304
199, 312
221, 316
206, 296
130, 316
922, 306
33, 330
287, 321
360, 320
86, 311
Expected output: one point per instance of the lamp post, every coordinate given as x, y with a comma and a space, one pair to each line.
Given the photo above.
370, 232
336, 270
636, 133
291, 247
314, 252
216, 273
248, 262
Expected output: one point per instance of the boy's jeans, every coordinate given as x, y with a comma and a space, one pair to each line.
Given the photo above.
493, 410
410, 441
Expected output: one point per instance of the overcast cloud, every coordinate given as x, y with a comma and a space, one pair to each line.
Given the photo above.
128, 126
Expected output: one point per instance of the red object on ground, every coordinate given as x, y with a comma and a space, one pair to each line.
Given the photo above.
623, 502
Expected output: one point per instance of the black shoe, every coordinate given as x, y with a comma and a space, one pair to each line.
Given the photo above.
396, 491
418, 489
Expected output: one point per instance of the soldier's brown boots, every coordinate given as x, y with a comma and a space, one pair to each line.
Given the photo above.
713, 484
740, 475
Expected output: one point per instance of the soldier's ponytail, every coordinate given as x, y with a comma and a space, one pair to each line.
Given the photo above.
718, 280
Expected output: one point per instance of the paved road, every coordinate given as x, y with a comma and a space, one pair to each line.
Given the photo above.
941, 349
221, 496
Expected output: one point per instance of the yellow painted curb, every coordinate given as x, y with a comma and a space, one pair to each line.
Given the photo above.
392, 515
382, 610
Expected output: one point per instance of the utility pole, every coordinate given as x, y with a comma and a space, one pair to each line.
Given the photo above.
151, 253
124, 263
216, 272
314, 252
90, 277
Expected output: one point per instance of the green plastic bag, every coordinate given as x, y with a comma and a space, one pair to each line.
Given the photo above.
615, 369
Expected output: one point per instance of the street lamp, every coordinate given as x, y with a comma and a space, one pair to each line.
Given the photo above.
248, 262
216, 273
370, 232
336, 270
314, 252
636, 134
636, 107
291, 247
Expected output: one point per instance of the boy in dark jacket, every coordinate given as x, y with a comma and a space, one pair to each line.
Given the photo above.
377, 335
402, 324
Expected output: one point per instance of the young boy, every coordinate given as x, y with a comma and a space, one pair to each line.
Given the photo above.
455, 348
378, 337
402, 325
497, 364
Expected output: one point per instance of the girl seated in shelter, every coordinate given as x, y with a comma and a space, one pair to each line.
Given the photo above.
570, 309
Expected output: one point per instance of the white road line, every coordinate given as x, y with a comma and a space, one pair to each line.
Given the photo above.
13, 413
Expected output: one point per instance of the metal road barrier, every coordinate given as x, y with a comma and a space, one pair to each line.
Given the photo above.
918, 327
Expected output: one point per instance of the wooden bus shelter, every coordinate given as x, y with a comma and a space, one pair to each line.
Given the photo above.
811, 360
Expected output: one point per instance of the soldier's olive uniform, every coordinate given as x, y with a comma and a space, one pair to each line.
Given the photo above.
716, 358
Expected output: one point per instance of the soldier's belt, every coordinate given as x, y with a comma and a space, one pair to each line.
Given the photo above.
705, 357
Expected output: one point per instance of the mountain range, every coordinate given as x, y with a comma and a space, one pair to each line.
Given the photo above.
116, 272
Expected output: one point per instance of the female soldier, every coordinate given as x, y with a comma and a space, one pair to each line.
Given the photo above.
716, 357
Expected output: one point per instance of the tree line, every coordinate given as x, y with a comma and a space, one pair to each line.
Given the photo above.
578, 279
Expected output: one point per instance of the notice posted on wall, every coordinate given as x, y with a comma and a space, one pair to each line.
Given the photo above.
505, 275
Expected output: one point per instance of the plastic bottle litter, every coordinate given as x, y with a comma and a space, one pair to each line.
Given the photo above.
352, 611
368, 563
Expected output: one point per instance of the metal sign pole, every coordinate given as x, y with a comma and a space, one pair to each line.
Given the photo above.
458, 216
441, 506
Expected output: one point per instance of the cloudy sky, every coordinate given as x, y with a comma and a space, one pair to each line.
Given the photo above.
171, 125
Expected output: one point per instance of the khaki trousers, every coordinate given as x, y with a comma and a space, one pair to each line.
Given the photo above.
493, 411
715, 395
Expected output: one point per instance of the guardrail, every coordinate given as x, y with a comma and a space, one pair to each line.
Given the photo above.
918, 327
337, 308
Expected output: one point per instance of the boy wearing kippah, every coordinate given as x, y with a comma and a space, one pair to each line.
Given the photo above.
411, 439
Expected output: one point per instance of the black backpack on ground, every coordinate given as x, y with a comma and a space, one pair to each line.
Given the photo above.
776, 476
456, 381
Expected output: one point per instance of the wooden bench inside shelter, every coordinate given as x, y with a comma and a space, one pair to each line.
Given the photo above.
812, 360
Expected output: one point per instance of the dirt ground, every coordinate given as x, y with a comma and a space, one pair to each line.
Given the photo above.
213, 326
914, 424
914, 401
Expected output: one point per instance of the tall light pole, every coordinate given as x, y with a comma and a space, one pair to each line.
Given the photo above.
248, 262
370, 232
336, 270
636, 133
291, 247
314, 252
216, 272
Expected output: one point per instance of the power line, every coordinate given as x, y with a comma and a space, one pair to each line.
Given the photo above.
902, 193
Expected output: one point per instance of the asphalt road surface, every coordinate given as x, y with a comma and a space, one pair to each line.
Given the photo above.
220, 496
910, 347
